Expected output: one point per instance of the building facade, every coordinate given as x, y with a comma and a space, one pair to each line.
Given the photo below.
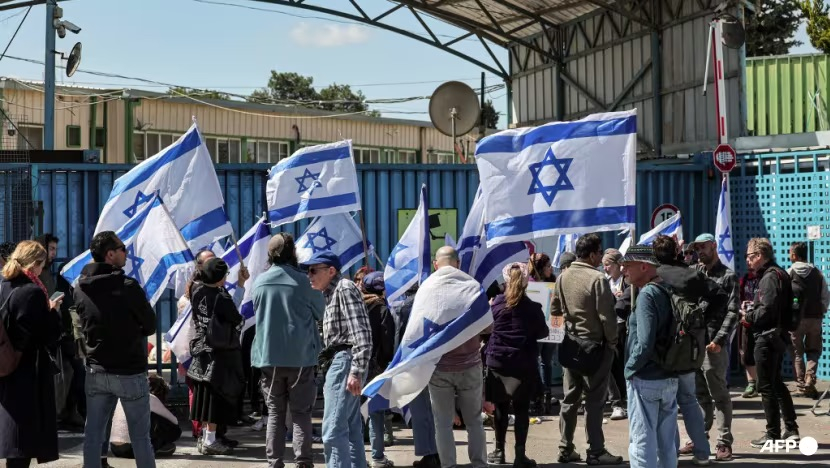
128, 126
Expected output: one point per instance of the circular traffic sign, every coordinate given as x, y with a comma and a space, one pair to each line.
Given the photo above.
725, 158
662, 213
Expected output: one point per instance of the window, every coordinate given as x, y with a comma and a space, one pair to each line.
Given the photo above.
266, 152
146, 144
138, 147
100, 138
29, 138
442, 158
406, 157
366, 155
165, 141
73, 136
224, 150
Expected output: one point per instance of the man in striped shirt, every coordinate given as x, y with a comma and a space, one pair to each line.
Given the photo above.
347, 348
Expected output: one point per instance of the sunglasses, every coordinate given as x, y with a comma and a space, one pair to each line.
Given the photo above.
121, 247
314, 271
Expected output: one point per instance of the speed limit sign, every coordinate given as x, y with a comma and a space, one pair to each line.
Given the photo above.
662, 213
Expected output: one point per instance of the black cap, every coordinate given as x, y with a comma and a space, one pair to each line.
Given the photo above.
214, 270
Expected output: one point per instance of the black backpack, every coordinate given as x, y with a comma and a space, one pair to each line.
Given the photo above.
682, 347
790, 313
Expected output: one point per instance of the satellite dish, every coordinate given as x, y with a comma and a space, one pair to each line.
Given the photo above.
734, 35
454, 109
74, 60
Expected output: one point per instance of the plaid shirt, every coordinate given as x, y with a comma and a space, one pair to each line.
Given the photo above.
347, 322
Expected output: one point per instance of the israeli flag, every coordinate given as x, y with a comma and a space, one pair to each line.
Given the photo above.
409, 262
450, 309
315, 181
723, 227
471, 236
182, 175
254, 249
154, 246
670, 227
566, 243
336, 233
559, 178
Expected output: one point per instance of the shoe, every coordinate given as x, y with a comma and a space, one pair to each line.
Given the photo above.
750, 391
105, 463
604, 458
619, 414
496, 457
809, 392
247, 420
568, 457
428, 461
384, 463
166, 450
304, 465
688, 449
216, 448
256, 415
792, 435
724, 453
524, 462
701, 461
260, 425
759, 443
228, 442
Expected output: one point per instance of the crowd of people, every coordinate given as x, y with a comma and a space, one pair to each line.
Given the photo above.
650, 330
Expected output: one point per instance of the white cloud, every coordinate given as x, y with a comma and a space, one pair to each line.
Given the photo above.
328, 35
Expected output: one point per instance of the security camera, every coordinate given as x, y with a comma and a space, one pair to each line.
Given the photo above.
10, 130
61, 29
72, 27
62, 26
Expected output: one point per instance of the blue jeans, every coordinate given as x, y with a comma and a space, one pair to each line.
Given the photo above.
102, 394
423, 425
652, 423
692, 415
342, 423
376, 431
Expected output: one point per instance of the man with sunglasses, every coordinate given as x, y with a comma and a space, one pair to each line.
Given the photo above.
116, 318
347, 348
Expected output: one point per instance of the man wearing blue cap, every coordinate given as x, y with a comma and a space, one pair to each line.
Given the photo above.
347, 349
712, 390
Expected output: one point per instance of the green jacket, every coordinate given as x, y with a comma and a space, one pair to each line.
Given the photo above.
583, 296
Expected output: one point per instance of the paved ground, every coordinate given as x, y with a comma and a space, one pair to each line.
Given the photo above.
542, 444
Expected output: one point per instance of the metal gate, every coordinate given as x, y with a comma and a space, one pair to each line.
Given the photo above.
778, 195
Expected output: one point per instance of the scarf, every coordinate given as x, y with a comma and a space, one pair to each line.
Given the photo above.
34, 279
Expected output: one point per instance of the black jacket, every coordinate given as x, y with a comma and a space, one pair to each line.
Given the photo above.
693, 284
383, 334
773, 294
116, 318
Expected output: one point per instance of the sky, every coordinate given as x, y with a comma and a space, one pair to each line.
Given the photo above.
208, 45
205, 44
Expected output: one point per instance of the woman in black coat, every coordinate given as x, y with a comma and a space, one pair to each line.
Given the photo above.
28, 423
216, 368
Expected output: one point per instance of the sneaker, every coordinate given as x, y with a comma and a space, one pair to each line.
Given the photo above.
428, 461
604, 458
688, 449
304, 465
750, 391
216, 448
228, 442
260, 425
166, 450
724, 453
496, 457
569, 457
759, 443
618, 414
701, 461
524, 462
792, 435
383, 463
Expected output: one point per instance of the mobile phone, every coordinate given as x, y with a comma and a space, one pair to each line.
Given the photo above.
58, 295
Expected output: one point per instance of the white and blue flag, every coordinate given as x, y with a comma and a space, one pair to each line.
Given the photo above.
315, 181
559, 178
566, 243
409, 262
154, 246
471, 236
450, 309
336, 233
182, 175
723, 227
672, 227
254, 249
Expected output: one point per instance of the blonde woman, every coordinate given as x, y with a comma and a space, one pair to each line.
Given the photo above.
28, 419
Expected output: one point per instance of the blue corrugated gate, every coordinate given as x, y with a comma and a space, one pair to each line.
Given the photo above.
73, 196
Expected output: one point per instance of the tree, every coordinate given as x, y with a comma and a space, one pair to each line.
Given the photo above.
489, 114
294, 89
771, 30
818, 24
351, 101
198, 93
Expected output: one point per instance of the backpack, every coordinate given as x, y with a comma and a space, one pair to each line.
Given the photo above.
790, 314
682, 347
9, 357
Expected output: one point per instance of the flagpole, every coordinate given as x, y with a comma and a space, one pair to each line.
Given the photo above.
365, 241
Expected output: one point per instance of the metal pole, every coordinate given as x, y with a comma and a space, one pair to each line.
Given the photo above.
49, 79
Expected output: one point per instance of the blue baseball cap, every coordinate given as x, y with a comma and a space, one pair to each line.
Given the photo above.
702, 239
325, 257
373, 282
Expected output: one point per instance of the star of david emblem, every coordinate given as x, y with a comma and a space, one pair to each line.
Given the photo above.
392, 256
430, 329
315, 181
135, 263
728, 254
322, 234
140, 199
562, 182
